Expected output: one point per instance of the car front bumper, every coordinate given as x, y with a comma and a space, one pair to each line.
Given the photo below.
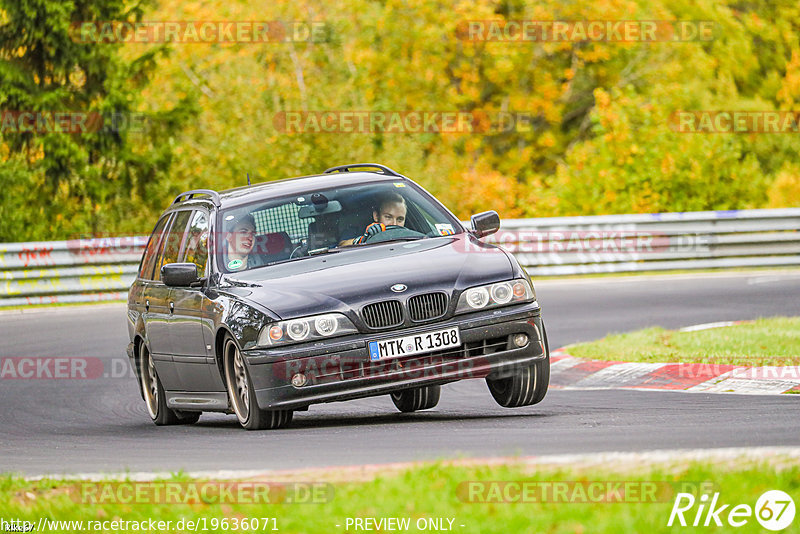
340, 368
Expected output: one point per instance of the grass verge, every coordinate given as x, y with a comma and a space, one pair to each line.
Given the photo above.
773, 341
558, 500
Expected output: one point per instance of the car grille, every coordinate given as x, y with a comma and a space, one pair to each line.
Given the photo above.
428, 306
383, 314
389, 313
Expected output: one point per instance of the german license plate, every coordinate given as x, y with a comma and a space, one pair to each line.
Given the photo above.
417, 344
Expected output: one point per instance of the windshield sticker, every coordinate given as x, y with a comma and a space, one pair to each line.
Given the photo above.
235, 264
445, 229
399, 184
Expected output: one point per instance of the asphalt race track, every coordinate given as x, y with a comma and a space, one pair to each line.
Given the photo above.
100, 425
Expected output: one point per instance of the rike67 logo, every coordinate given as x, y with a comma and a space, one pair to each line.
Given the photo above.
774, 510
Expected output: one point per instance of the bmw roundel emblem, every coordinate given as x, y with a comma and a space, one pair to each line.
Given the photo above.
398, 288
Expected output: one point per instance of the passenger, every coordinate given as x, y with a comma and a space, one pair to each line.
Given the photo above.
240, 240
391, 212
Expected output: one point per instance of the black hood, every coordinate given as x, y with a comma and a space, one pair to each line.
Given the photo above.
346, 280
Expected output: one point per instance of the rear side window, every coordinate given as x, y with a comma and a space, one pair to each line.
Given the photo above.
172, 241
196, 246
151, 250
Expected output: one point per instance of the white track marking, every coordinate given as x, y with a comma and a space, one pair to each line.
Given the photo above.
744, 386
564, 364
707, 326
621, 374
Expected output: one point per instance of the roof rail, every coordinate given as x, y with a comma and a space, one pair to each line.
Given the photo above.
189, 194
346, 168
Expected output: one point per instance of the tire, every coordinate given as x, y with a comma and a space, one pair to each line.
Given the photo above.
154, 398
411, 400
242, 394
525, 388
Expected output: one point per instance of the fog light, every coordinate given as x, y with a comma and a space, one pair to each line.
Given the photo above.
520, 340
299, 380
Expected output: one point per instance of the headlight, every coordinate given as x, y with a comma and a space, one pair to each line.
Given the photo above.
502, 293
326, 325
305, 329
477, 297
492, 295
298, 330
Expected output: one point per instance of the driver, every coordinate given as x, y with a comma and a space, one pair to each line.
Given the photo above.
391, 212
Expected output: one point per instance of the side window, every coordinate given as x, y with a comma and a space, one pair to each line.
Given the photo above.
172, 241
196, 246
151, 250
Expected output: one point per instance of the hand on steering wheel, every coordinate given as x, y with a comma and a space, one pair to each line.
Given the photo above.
372, 229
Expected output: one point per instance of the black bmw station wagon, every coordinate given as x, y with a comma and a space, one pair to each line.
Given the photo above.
266, 299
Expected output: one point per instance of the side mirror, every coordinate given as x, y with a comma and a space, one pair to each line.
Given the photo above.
485, 223
179, 274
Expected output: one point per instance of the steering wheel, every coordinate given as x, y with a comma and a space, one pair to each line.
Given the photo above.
300, 250
393, 232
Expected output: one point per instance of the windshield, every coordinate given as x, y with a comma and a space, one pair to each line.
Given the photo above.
327, 220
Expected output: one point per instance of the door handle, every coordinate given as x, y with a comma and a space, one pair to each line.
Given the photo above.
171, 307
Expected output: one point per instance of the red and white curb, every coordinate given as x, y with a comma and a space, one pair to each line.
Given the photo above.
569, 372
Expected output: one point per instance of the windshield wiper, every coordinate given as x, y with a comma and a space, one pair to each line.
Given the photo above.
323, 250
406, 238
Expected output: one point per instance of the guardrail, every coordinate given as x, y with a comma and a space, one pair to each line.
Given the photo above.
650, 242
99, 269
78, 270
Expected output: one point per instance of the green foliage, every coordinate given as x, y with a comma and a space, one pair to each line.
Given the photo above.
598, 140
61, 184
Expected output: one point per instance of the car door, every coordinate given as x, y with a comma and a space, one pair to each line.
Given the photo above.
136, 294
159, 305
152, 315
192, 346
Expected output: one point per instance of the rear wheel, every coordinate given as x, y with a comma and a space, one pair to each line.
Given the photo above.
242, 394
411, 400
156, 399
527, 386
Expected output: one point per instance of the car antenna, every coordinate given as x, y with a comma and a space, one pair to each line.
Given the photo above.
248, 179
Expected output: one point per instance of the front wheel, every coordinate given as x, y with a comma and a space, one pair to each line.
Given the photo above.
411, 400
156, 399
527, 386
242, 394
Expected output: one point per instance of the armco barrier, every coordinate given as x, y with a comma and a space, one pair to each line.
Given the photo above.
78, 270
657, 241
83, 270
